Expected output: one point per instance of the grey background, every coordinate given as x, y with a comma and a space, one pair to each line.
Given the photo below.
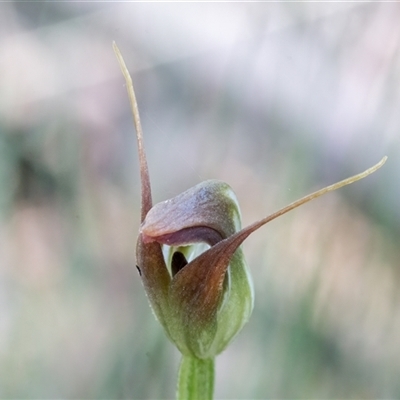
277, 99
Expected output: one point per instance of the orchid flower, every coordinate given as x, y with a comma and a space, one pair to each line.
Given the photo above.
192, 267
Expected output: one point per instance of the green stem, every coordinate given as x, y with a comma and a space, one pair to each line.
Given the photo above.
196, 379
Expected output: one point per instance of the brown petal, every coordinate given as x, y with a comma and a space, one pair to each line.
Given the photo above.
155, 277
144, 170
210, 207
196, 289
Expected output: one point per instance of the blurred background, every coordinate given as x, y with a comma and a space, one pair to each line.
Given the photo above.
278, 100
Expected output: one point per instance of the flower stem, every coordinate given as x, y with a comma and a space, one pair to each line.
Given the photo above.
196, 379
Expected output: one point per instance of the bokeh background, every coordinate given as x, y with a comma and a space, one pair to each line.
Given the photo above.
277, 99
